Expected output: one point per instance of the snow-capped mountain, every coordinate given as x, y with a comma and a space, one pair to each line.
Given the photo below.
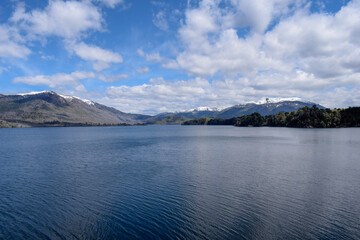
69, 98
265, 106
49, 108
201, 109
277, 100
260, 102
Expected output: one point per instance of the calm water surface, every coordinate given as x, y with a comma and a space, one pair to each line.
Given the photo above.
179, 182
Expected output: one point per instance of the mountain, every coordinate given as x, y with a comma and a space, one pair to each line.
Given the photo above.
267, 108
51, 109
191, 114
48, 108
306, 117
264, 107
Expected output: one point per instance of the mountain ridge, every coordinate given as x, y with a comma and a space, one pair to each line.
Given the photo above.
241, 110
44, 108
48, 108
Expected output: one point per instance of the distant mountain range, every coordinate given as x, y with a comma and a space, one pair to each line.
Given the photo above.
48, 108
267, 107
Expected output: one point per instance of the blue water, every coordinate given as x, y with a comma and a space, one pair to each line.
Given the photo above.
179, 182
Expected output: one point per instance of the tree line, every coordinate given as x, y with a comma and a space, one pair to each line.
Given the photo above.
303, 118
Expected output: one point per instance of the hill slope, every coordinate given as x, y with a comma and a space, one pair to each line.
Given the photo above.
50, 108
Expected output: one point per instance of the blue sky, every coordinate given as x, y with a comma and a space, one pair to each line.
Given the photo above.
154, 56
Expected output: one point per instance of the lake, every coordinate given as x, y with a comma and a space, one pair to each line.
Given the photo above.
179, 182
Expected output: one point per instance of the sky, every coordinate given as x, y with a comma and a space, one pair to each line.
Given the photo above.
144, 56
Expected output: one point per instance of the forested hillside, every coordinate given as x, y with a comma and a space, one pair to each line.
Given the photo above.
305, 117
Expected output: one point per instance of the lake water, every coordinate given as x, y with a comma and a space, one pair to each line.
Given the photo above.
179, 182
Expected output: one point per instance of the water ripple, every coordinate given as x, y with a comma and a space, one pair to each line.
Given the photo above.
174, 182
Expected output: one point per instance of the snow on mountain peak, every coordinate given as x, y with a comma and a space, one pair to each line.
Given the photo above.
262, 101
73, 97
33, 93
276, 100
201, 109
69, 98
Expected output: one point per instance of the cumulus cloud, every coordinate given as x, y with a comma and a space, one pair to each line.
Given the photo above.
157, 95
235, 40
326, 49
258, 15
288, 51
212, 43
101, 58
9, 47
57, 80
314, 56
68, 19
162, 96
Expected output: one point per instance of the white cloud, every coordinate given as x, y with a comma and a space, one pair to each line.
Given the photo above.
2, 69
143, 70
99, 66
160, 21
288, 51
100, 58
57, 80
158, 94
229, 55
94, 53
45, 57
258, 14
9, 47
154, 57
111, 3
71, 20
141, 52
161, 96
68, 19
213, 42
113, 78
326, 49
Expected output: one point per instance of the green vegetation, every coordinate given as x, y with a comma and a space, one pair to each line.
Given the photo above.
6, 124
23, 124
305, 117
210, 121
170, 120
